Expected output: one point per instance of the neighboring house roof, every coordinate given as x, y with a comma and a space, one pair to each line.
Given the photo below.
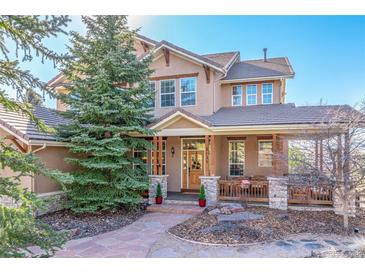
21, 125
259, 69
146, 39
222, 58
277, 114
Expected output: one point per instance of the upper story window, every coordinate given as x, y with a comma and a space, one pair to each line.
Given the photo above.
188, 91
236, 158
167, 90
237, 96
251, 94
267, 94
265, 153
152, 87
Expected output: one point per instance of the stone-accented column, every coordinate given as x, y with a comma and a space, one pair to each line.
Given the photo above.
278, 192
338, 203
211, 188
154, 181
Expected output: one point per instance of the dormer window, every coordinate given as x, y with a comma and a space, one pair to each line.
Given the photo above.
188, 91
237, 96
267, 94
167, 90
251, 92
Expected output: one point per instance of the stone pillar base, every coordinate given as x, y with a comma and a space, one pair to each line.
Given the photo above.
154, 181
211, 188
278, 192
338, 203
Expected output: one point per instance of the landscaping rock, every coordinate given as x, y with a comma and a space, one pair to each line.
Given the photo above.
240, 216
215, 211
226, 210
313, 246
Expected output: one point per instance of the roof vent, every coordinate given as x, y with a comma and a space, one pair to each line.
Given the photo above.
265, 54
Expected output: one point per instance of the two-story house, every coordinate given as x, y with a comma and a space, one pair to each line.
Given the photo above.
215, 114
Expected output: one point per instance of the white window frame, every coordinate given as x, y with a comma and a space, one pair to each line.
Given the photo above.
167, 93
272, 93
155, 82
247, 95
195, 91
261, 153
229, 154
164, 144
233, 96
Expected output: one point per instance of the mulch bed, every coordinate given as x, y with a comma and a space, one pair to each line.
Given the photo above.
274, 225
340, 254
90, 224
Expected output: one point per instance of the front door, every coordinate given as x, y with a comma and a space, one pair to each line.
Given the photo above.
195, 168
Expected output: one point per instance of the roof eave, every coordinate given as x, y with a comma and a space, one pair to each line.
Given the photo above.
253, 79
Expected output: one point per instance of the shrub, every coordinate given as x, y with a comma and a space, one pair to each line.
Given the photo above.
202, 192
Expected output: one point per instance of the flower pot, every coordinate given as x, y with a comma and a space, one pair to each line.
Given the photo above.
158, 200
202, 202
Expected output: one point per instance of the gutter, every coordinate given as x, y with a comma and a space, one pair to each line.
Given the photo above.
257, 79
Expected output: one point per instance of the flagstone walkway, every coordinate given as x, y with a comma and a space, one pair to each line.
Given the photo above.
147, 237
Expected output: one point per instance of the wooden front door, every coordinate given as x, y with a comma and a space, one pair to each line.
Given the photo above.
195, 168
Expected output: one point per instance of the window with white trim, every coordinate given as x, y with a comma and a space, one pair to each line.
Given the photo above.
167, 90
237, 96
236, 157
251, 94
265, 153
152, 87
267, 93
188, 91
163, 159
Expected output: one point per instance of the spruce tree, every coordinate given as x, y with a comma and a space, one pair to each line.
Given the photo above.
108, 103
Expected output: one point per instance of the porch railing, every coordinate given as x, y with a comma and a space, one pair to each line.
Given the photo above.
256, 191
310, 195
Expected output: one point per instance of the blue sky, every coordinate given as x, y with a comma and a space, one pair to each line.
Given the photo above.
326, 52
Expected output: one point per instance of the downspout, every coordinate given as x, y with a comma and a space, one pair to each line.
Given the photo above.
34, 151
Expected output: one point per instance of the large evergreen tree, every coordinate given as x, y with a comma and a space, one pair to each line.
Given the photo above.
21, 38
108, 106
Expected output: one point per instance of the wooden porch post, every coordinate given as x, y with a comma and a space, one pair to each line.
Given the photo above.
316, 155
207, 170
321, 155
274, 158
212, 151
154, 155
339, 169
160, 155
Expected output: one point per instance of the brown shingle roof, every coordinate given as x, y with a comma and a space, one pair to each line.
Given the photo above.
21, 125
222, 58
259, 68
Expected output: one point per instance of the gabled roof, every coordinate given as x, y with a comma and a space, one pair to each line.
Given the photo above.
276, 114
146, 39
20, 125
223, 58
250, 69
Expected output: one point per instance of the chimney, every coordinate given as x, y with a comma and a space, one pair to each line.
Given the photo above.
265, 54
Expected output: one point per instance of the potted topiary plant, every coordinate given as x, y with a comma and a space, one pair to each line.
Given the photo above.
158, 194
202, 200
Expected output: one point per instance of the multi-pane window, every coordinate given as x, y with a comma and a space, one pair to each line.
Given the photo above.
167, 90
152, 87
237, 96
163, 159
265, 153
188, 91
236, 158
251, 94
141, 155
267, 94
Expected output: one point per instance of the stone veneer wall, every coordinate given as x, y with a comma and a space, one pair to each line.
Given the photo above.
154, 181
339, 205
278, 192
211, 188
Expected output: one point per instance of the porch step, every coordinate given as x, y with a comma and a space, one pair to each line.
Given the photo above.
175, 208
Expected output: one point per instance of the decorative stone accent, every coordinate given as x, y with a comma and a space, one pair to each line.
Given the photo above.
154, 181
211, 188
338, 204
278, 192
54, 201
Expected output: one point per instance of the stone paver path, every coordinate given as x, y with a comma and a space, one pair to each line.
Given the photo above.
147, 237
133, 240
296, 246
